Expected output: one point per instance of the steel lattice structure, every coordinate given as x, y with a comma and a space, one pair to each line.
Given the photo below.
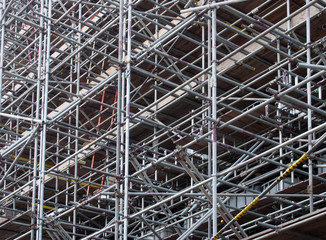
157, 119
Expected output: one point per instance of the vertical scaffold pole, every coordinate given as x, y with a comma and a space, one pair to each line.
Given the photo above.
77, 122
310, 190
37, 116
214, 134
44, 122
2, 43
209, 111
2, 9
118, 141
128, 80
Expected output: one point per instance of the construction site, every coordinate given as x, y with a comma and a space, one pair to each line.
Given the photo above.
162, 119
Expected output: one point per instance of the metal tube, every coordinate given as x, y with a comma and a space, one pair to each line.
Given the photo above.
213, 86
128, 83
40, 219
210, 6
37, 116
308, 44
311, 66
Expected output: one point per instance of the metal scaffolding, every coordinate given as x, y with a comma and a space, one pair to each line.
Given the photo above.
159, 119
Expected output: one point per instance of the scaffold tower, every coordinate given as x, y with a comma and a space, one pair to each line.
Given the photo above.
162, 119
